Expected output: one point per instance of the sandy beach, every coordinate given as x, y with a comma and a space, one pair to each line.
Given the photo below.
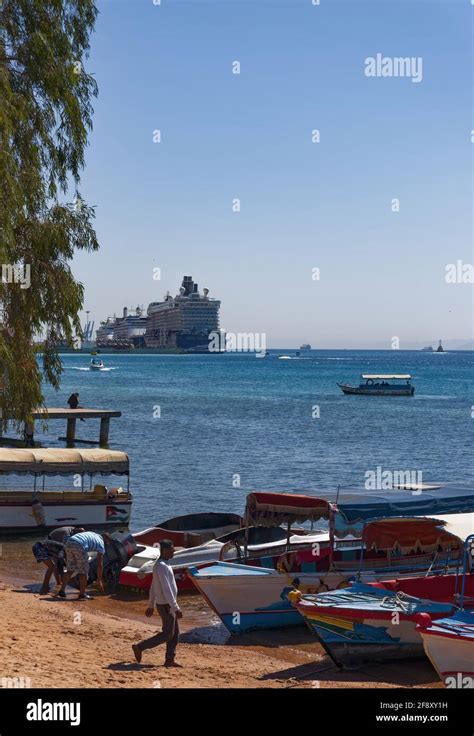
46, 639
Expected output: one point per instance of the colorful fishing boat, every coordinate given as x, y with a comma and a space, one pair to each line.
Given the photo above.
261, 597
375, 384
38, 508
379, 621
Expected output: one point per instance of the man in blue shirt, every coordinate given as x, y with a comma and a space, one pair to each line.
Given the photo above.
77, 561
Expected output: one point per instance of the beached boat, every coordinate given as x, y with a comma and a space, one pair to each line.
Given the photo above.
378, 385
379, 621
190, 530
38, 508
260, 596
449, 642
96, 364
449, 645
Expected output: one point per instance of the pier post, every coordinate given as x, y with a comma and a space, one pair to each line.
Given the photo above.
104, 431
29, 433
71, 430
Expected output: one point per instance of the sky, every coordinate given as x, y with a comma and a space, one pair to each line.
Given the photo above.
304, 205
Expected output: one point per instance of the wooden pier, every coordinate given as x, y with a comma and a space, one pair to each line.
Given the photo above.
72, 415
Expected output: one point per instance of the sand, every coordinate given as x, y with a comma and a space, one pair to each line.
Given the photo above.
87, 644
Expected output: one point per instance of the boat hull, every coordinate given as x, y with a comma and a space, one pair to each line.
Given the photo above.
379, 621
256, 599
374, 391
449, 657
449, 645
261, 596
351, 642
18, 517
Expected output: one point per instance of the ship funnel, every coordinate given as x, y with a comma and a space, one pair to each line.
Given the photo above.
125, 312
205, 291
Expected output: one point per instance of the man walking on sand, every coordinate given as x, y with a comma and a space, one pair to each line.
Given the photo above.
163, 594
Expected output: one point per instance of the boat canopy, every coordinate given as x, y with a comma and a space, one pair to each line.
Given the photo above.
393, 376
58, 461
356, 507
273, 509
409, 534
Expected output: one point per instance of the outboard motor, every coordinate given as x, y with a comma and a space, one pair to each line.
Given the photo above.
119, 547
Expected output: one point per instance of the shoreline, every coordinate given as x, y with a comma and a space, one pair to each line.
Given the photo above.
88, 645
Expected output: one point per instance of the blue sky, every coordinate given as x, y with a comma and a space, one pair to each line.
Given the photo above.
304, 205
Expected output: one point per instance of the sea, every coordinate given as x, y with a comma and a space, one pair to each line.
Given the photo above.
202, 431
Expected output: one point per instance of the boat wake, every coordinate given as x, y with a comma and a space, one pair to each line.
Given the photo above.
88, 370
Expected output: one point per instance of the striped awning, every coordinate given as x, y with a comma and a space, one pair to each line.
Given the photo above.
273, 509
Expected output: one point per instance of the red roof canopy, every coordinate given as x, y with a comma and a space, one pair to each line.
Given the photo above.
408, 534
273, 509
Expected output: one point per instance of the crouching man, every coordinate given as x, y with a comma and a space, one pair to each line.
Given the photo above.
77, 561
163, 593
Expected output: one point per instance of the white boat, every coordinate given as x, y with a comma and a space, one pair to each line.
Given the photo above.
96, 364
449, 645
38, 508
449, 642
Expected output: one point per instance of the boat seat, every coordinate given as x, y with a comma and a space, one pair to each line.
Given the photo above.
100, 491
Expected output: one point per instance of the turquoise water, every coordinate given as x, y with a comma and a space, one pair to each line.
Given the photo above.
226, 418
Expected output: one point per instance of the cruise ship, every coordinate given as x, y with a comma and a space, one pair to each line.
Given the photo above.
123, 332
183, 322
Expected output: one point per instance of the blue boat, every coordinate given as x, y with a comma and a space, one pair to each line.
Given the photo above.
375, 384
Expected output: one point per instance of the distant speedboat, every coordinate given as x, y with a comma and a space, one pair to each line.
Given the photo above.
378, 385
428, 349
305, 346
96, 364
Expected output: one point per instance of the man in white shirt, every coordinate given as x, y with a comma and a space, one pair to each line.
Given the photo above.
163, 592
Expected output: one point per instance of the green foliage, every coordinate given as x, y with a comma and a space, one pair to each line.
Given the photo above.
45, 117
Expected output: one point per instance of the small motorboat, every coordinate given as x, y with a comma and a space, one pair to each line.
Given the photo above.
381, 385
96, 364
